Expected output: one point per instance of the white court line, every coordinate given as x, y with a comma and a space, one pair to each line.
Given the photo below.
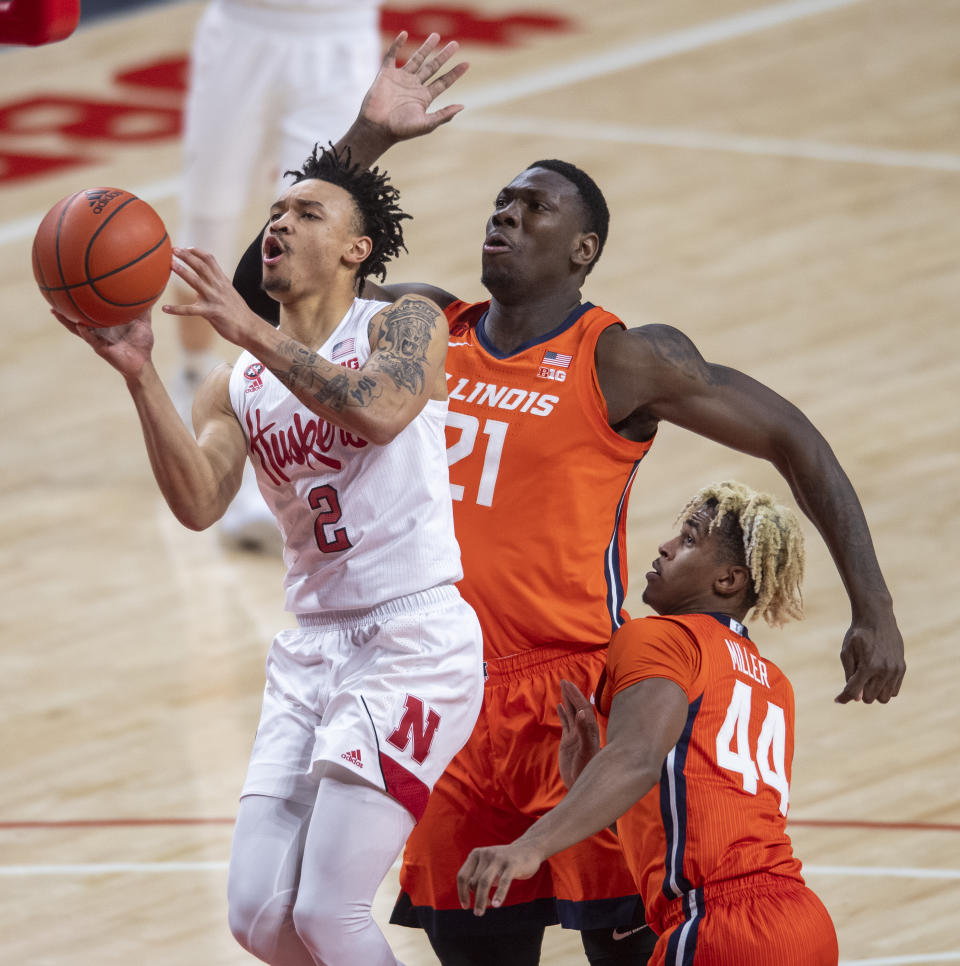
103, 868
91, 869
917, 958
713, 141
895, 872
110, 868
620, 58
654, 49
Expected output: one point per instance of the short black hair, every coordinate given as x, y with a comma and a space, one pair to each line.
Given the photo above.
374, 197
598, 214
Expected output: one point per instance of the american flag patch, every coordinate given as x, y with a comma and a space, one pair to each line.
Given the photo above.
342, 349
557, 359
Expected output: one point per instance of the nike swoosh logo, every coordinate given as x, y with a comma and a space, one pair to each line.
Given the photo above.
617, 934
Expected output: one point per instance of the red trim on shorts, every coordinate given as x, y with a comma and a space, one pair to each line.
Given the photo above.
404, 786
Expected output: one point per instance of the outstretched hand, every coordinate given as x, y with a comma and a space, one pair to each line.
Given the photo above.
872, 658
397, 102
579, 733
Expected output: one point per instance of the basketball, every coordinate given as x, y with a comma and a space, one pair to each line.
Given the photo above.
101, 256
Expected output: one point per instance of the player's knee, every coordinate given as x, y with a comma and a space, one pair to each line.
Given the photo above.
331, 934
259, 922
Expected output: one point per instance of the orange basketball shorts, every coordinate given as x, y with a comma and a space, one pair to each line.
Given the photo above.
753, 921
502, 781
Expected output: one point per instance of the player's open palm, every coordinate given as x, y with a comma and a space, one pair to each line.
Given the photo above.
399, 97
128, 348
579, 734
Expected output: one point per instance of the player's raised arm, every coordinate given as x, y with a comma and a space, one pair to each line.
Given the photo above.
656, 372
396, 107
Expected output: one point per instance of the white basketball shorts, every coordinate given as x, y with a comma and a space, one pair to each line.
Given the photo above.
389, 695
265, 85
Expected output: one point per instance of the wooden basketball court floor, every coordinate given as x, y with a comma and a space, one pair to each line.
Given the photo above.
783, 179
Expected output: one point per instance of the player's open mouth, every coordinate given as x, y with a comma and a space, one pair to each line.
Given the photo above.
273, 250
495, 245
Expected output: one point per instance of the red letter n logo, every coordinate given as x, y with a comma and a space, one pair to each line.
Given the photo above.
413, 723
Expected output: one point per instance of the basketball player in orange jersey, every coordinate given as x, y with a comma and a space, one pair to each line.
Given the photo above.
342, 412
553, 404
698, 754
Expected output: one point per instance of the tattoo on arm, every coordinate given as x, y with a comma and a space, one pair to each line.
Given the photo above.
402, 336
332, 391
403, 339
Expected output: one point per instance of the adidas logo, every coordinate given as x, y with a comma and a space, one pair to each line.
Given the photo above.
99, 198
353, 757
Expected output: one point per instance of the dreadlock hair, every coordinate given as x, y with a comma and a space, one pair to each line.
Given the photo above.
375, 200
598, 215
763, 536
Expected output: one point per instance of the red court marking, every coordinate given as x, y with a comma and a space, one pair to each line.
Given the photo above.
146, 822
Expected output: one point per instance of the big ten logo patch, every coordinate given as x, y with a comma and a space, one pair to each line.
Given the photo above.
254, 376
147, 107
554, 366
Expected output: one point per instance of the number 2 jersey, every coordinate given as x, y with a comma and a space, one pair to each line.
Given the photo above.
540, 483
361, 523
719, 810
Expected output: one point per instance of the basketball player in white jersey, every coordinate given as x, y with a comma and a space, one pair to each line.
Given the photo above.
268, 79
342, 410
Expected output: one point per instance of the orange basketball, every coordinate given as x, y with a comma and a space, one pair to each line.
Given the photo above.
101, 256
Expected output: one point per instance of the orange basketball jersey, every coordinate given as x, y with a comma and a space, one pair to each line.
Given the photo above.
540, 483
719, 812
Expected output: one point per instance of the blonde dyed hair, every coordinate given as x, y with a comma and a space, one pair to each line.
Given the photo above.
772, 545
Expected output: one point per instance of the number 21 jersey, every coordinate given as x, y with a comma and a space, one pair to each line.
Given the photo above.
539, 482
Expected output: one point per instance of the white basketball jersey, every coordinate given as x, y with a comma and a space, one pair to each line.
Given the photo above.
361, 523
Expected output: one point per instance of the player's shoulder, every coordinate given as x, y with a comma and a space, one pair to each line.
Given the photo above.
655, 631
651, 337
463, 316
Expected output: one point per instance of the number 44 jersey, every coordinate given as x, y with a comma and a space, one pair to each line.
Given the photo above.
719, 812
539, 482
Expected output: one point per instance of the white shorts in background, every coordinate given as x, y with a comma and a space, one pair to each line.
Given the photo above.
265, 85
389, 695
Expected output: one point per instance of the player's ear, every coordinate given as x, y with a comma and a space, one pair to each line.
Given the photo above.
358, 250
586, 248
732, 580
